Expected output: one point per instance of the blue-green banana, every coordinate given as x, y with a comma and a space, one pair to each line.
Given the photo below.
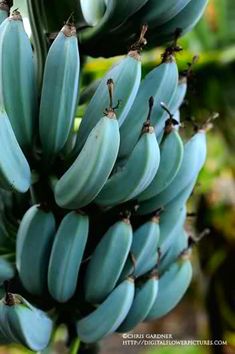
109, 315
178, 244
138, 172
18, 90
193, 160
161, 83
143, 250
172, 287
22, 323
6, 270
169, 230
145, 296
92, 11
185, 20
33, 246
117, 11
156, 14
66, 256
107, 261
153, 14
59, 91
85, 178
171, 156
15, 173
174, 105
126, 76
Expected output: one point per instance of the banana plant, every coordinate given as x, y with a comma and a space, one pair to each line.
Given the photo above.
92, 241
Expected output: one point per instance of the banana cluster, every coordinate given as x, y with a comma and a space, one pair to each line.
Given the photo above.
119, 21
81, 235
105, 22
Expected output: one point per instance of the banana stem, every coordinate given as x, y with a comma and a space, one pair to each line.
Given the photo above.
110, 84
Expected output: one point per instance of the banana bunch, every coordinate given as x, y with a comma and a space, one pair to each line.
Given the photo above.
92, 218
20, 322
104, 23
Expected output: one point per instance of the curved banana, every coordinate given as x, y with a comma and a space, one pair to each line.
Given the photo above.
15, 173
185, 20
22, 323
6, 270
59, 91
109, 315
4, 11
171, 157
144, 247
161, 83
117, 11
153, 14
169, 231
91, 169
193, 160
145, 296
18, 88
138, 172
174, 105
178, 245
107, 261
66, 256
126, 76
172, 287
92, 11
33, 246
156, 14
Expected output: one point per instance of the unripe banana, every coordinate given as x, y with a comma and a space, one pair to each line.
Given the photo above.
116, 13
143, 248
6, 270
161, 83
178, 245
174, 105
22, 323
109, 315
33, 246
156, 14
145, 296
4, 11
18, 93
169, 231
107, 261
59, 91
171, 157
185, 20
89, 172
66, 256
14, 169
92, 11
126, 76
138, 172
193, 160
172, 287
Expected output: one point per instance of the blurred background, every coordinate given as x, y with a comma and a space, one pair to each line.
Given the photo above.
208, 309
